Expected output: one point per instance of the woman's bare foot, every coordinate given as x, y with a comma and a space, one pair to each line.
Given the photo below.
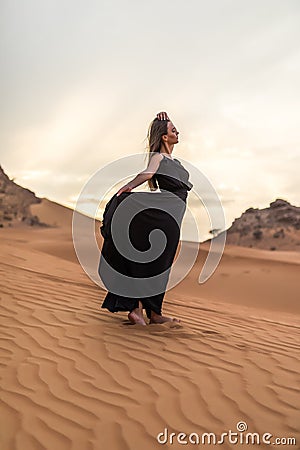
156, 318
136, 316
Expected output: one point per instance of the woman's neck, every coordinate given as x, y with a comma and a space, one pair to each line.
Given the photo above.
166, 149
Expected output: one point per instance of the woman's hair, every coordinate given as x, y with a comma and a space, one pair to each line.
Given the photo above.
156, 130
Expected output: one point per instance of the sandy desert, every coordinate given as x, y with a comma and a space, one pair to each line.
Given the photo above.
198, 100
75, 376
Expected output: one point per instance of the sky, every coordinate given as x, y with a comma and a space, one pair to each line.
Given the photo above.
82, 80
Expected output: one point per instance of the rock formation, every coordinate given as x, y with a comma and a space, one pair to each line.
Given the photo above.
15, 203
274, 228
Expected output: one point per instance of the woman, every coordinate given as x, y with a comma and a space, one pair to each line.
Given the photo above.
172, 178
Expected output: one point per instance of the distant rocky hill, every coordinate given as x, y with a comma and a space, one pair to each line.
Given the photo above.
274, 228
15, 203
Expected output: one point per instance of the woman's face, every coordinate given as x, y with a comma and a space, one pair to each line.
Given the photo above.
172, 136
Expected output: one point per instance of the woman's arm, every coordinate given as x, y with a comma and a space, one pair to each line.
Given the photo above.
144, 175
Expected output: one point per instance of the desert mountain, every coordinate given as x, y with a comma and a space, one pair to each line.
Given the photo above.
15, 203
20, 206
276, 227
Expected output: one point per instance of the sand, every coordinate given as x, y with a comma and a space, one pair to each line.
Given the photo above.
74, 376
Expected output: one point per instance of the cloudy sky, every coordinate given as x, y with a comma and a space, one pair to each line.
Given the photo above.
81, 81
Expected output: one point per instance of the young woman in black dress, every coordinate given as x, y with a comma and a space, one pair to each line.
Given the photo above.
162, 137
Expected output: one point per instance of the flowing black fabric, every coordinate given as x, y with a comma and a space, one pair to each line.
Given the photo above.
171, 177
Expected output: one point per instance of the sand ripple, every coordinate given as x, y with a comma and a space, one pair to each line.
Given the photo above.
77, 377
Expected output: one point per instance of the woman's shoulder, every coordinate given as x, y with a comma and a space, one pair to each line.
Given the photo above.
157, 156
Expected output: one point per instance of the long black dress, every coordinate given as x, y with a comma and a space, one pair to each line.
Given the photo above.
129, 275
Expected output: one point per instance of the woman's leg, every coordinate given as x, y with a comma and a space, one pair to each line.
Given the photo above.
153, 306
158, 318
136, 315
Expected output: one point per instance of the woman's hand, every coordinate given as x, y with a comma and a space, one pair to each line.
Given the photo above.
162, 116
125, 188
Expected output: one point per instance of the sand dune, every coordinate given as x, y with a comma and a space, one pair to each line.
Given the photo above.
78, 377
53, 213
